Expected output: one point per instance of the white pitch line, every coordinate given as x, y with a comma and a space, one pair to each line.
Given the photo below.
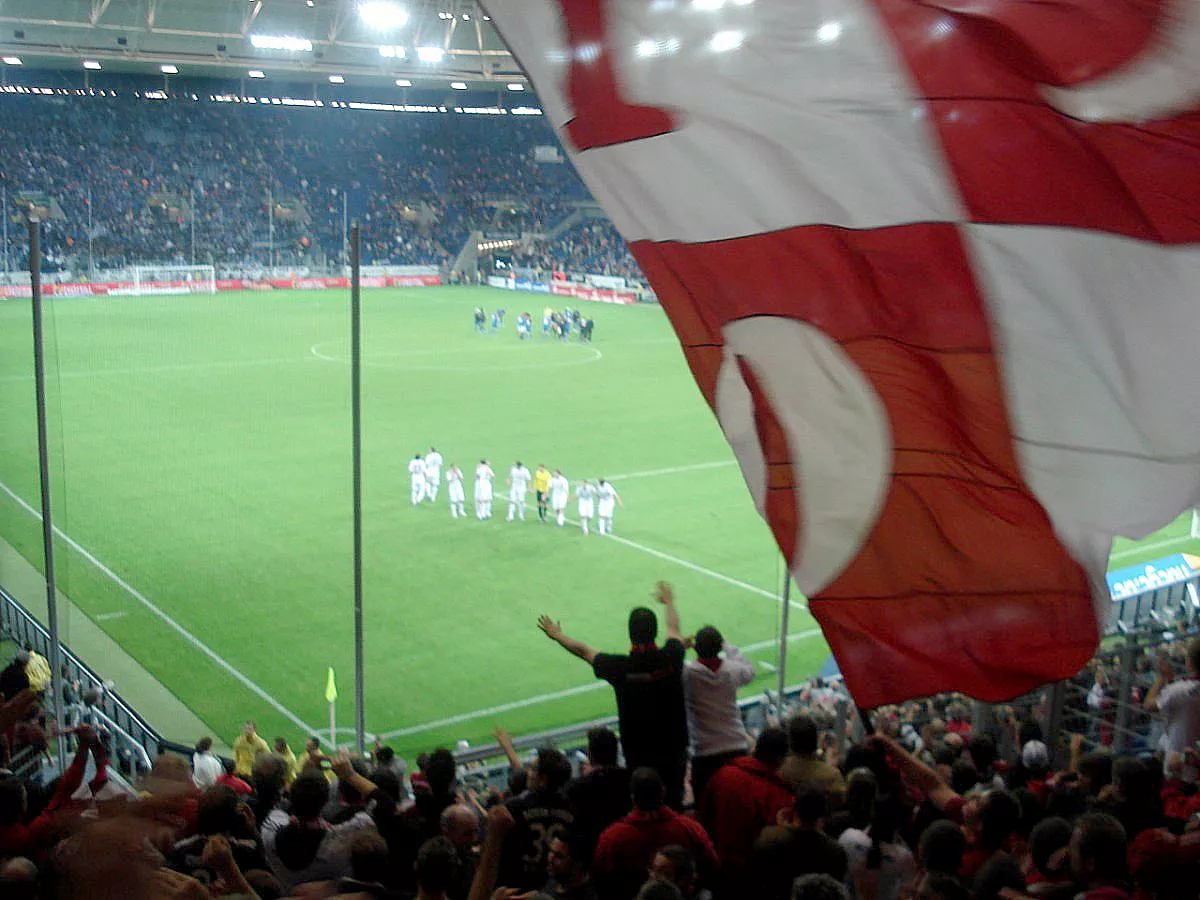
170, 622
155, 370
696, 467
555, 695
109, 616
1142, 548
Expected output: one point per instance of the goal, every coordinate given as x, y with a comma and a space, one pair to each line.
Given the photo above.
173, 279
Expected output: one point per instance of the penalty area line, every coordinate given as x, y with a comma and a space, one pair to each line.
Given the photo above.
141, 598
554, 695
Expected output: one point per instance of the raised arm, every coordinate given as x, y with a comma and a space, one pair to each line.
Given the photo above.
1165, 674
919, 774
664, 594
504, 739
553, 630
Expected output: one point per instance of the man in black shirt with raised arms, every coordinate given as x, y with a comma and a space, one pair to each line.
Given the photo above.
648, 682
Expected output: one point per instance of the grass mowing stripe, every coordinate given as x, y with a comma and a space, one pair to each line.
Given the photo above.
170, 622
557, 695
1153, 545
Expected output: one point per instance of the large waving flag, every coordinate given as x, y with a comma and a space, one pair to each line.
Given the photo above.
935, 264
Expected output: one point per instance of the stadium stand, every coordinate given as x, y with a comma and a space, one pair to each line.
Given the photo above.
944, 800
272, 186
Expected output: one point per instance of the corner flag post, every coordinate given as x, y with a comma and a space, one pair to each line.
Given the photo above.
331, 699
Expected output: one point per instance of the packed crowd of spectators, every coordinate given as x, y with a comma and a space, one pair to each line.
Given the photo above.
685, 803
593, 245
275, 186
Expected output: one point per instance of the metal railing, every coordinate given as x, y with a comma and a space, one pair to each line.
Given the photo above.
134, 744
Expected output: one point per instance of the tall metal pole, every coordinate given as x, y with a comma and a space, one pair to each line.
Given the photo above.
784, 620
39, 387
91, 257
356, 453
5, 192
270, 230
192, 217
345, 225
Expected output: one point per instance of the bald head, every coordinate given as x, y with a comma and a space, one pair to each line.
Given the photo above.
460, 823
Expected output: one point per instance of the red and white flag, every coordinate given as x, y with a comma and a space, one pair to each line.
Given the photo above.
935, 264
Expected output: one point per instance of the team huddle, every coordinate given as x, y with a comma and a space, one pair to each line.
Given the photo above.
552, 492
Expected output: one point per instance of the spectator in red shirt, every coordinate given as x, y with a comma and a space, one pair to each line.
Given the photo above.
238, 785
1098, 857
627, 846
30, 838
744, 797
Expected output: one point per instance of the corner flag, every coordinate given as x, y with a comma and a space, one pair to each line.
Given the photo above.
330, 688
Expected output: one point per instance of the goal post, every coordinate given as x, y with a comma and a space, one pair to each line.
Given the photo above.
173, 279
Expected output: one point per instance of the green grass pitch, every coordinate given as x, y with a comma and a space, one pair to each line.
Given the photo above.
201, 451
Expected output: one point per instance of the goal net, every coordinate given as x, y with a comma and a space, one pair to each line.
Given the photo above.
173, 279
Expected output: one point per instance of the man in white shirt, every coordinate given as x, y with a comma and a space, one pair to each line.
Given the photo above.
586, 492
483, 490
433, 473
206, 768
1179, 702
518, 487
710, 686
560, 492
607, 496
458, 496
416, 471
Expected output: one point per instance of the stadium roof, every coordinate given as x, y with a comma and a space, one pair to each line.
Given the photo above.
225, 38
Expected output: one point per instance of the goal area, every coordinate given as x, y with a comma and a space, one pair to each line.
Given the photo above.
172, 279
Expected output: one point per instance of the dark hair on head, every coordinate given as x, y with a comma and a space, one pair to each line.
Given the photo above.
643, 626
602, 747
1103, 843
1047, 838
309, 794
553, 767
387, 781
204, 745
943, 886
440, 771
216, 810
1097, 768
708, 642
297, 846
384, 755
802, 735
941, 847
12, 800
683, 861
862, 788
436, 861
999, 817
998, 873
647, 790
580, 845
818, 887
883, 831
771, 746
1135, 778
982, 750
963, 776
811, 802
658, 890
518, 781
945, 755
268, 774
1029, 730
369, 857
422, 761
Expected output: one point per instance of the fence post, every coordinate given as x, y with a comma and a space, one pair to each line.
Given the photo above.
1124, 693
1054, 723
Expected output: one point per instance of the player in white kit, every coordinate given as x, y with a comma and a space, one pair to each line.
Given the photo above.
560, 492
518, 487
608, 498
416, 471
483, 490
454, 488
586, 492
433, 473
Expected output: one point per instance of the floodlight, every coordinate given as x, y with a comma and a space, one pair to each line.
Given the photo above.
281, 42
257, 73
382, 15
724, 41
516, 86
392, 52
403, 82
169, 69
337, 79
431, 54
458, 85
13, 61
91, 64
829, 32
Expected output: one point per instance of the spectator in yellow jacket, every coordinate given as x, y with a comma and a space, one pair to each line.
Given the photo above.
246, 749
37, 669
289, 761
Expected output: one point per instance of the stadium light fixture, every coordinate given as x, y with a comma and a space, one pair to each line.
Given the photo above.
708, 4
281, 42
392, 52
169, 69
431, 54
337, 79
466, 17
310, 3
91, 65
724, 41
403, 82
382, 15
13, 61
257, 73
458, 85
829, 32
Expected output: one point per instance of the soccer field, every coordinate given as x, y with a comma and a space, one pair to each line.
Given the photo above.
201, 457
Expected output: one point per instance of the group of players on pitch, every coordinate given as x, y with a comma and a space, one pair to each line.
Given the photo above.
551, 489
